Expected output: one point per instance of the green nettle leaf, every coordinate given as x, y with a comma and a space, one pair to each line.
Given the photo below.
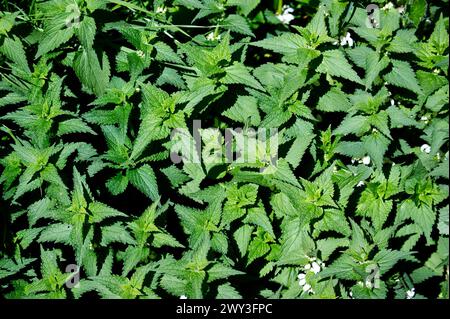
226, 291
74, 126
357, 124
297, 244
115, 233
424, 216
92, 72
239, 74
242, 237
245, 110
286, 44
188, 148
238, 24
86, 32
374, 207
14, 50
335, 63
257, 249
53, 37
334, 101
143, 178
443, 221
402, 75
219, 271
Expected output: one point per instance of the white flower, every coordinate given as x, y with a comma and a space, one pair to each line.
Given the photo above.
308, 266
307, 288
140, 54
161, 10
315, 267
425, 119
366, 160
410, 293
354, 160
425, 148
183, 297
392, 102
360, 183
351, 294
212, 37
301, 279
388, 6
347, 40
286, 17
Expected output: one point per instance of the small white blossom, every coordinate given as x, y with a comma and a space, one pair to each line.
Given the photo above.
392, 102
212, 37
307, 266
301, 279
183, 297
410, 293
307, 288
388, 6
366, 160
425, 148
140, 54
286, 16
401, 9
315, 267
424, 118
347, 40
161, 10
360, 183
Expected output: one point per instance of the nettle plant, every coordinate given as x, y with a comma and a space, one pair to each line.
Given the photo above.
347, 199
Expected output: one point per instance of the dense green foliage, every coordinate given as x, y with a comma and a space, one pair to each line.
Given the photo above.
355, 204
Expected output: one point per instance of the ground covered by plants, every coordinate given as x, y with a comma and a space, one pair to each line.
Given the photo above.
109, 190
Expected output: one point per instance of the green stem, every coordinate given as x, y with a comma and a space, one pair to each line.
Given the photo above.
278, 5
